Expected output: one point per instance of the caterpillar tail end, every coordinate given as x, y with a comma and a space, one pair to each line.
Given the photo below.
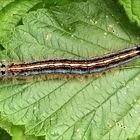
138, 49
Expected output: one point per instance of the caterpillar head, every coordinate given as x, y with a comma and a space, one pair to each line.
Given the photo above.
2, 69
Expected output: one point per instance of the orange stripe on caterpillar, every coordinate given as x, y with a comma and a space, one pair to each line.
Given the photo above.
72, 66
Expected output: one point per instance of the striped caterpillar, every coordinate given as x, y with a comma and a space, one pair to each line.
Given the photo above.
71, 66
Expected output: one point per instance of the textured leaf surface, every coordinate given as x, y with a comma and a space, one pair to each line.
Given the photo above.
10, 14
97, 108
132, 8
8, 130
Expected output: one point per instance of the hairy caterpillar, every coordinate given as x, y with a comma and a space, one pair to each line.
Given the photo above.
71, 66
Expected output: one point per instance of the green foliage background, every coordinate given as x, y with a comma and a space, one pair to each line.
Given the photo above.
96, 108
132, 9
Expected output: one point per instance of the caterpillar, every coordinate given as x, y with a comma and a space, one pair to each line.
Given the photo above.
71, 66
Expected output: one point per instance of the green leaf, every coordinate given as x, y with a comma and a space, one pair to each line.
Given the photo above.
104, 107
15, 132
132, 9
4, 124
136, 138
10, 14
18, 134
4, 135
49, 3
